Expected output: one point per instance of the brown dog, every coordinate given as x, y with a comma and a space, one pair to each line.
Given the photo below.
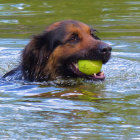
56, 51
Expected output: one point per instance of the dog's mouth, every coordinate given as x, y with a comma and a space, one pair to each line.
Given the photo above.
98, 76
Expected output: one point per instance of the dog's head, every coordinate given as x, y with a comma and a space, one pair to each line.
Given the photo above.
57, 51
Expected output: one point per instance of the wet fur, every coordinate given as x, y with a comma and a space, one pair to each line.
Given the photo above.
48, 55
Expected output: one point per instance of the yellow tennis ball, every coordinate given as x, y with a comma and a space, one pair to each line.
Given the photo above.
89, 67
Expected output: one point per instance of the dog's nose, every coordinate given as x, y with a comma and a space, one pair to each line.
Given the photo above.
105, 48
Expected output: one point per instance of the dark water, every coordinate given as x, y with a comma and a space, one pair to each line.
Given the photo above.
106, 110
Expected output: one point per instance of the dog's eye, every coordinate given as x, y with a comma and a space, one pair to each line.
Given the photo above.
74, 38
93, 34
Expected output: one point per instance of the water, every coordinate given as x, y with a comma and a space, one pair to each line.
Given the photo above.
106, 110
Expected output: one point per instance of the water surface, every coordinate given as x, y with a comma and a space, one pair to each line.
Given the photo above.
88, 110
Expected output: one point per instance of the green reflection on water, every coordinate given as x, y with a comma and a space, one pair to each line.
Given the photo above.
117, 115
24, 18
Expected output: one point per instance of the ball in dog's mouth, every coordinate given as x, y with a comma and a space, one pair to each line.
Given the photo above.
89, 69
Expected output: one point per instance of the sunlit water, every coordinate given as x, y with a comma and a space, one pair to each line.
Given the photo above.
77, 109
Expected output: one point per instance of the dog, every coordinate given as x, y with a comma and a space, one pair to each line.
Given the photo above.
55, 53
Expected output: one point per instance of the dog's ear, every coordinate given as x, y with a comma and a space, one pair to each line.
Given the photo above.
35, 56
36, 53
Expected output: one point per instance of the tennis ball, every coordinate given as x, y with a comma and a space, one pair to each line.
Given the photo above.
89, 67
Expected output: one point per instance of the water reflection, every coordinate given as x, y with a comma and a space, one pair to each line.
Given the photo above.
89, 110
